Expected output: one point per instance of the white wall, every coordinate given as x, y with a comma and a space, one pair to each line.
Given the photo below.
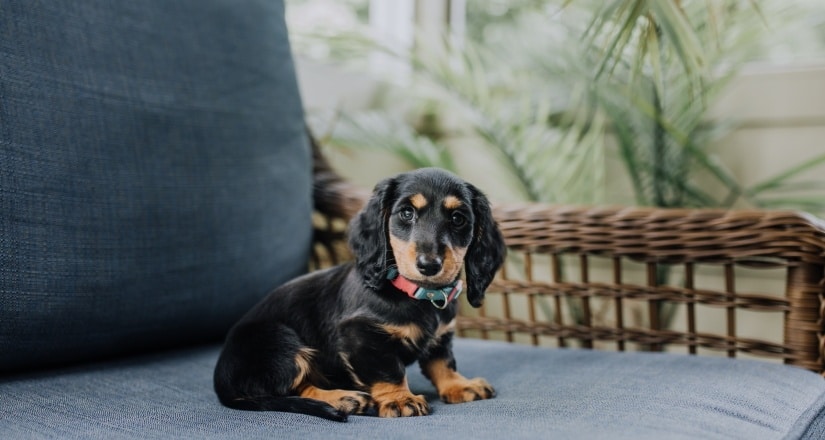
783, 121
780, 114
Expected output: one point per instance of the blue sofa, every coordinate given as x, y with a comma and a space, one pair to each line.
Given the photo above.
156, 181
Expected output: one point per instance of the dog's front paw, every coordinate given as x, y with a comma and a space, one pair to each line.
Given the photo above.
397, 401
403, 406
466, 390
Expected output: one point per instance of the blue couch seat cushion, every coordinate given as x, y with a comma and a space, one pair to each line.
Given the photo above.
542, 393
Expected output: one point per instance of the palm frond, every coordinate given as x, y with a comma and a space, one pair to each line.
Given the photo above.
381, 132
781, 180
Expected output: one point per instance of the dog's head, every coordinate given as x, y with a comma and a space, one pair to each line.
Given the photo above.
428, 224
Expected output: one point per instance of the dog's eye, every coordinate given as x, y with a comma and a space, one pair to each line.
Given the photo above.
458, 220
406, 214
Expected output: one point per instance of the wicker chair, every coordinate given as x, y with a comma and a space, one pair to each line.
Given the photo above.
604, 244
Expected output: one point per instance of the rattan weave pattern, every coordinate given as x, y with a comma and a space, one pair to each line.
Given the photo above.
664, 235
661, 238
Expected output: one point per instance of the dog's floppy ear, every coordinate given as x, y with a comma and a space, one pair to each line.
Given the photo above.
486, 252
368, 235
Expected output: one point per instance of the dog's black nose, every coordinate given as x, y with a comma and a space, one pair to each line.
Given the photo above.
428, 266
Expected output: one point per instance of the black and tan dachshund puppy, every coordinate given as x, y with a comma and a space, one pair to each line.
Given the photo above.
336, 342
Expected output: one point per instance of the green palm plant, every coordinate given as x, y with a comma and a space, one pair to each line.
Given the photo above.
547, 162
664, 64
379, 131
640, 72
684, 54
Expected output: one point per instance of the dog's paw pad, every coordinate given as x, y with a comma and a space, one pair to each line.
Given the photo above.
467, 390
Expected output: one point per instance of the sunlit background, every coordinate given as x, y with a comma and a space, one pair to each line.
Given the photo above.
668, 103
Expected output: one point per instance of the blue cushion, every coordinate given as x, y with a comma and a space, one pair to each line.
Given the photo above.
542, 393
155, 177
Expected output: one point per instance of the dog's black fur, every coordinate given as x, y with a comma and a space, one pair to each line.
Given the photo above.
336, 342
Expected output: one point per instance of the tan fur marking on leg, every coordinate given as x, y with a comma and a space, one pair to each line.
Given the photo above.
303, 361
348, 365
455, 388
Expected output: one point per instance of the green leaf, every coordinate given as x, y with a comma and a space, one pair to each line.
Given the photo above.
671, 20
779, 179
378, 131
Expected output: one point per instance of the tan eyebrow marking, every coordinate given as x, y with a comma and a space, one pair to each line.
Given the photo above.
418, 201
452, 202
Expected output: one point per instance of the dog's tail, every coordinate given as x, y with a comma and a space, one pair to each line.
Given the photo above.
293, 404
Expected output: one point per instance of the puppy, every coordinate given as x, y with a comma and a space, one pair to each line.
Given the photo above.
336, 342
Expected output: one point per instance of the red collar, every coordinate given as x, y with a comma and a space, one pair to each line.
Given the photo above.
440, 298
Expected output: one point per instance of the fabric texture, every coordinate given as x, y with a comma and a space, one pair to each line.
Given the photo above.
155, 178
542, 393
811, 425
